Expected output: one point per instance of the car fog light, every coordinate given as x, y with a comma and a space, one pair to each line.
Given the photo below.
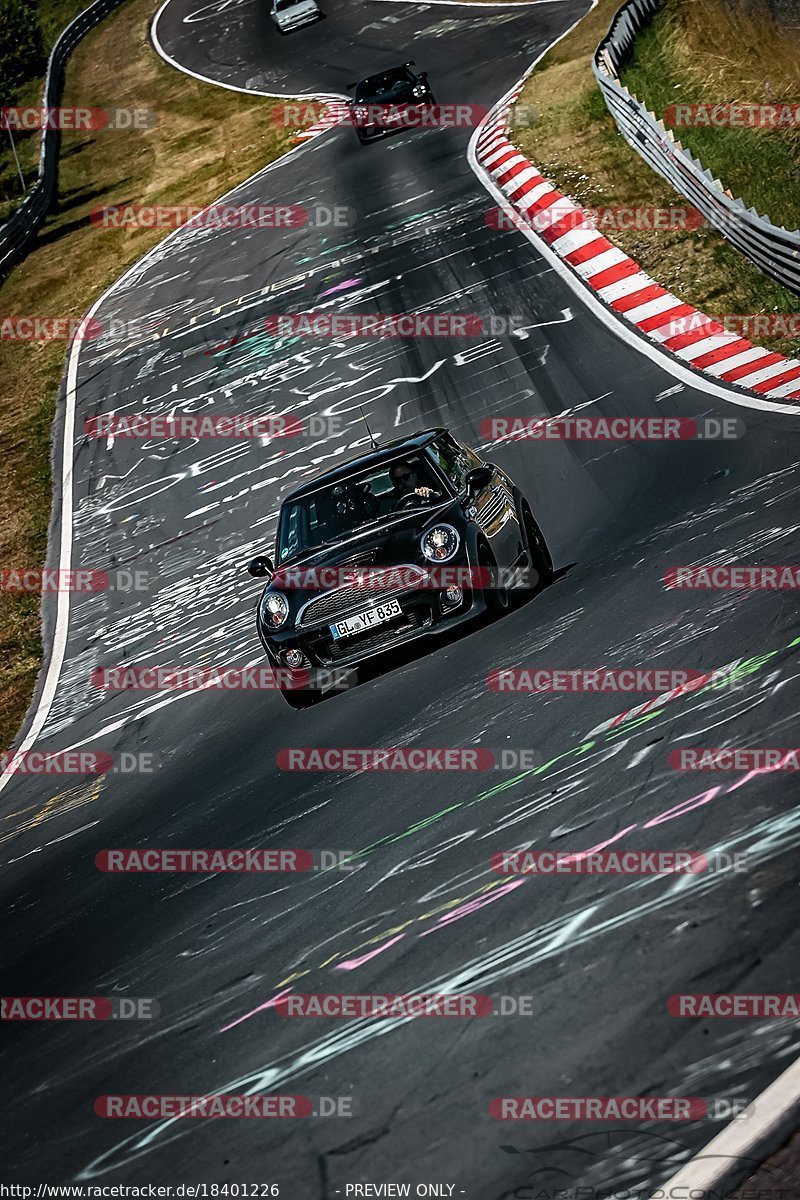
294, 658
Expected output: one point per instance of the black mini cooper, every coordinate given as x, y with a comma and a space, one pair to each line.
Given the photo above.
417, 535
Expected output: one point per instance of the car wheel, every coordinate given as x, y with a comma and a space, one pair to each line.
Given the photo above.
538, 555
496, 598
363, 140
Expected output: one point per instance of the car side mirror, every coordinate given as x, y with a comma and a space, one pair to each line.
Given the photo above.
477, 479
261, 567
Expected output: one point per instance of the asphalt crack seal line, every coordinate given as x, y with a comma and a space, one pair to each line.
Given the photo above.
620, 293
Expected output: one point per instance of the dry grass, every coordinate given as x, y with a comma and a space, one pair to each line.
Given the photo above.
572, 126
205, 142
731, 54
747, 61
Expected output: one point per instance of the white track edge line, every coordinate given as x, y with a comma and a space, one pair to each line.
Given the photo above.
61, 630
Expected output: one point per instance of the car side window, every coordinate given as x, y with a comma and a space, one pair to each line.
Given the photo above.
454, 459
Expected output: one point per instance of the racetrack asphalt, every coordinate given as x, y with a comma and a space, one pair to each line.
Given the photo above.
421, 910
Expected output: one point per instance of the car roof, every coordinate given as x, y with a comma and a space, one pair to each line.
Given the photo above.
373, 458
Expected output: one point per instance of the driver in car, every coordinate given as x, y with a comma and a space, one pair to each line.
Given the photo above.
404, 476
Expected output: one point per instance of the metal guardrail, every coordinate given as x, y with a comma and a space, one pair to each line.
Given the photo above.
772, 248
21, 227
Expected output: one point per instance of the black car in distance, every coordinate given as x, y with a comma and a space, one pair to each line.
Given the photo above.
361, 552
381, 102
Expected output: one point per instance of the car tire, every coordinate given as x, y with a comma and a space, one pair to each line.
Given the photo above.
495, 598
536, 547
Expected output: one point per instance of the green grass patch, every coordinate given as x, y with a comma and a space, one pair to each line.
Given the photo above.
759, 166
574, 141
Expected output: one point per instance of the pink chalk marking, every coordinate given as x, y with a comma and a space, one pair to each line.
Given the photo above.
684, 807
340, 287
471, 906
351, 963
475, 905
600, 846
267, 1004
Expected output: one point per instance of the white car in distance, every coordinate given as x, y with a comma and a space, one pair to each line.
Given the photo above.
291, 14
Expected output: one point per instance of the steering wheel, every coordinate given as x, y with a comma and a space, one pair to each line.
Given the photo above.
414, 499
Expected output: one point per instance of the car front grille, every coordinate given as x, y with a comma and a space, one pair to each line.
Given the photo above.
334, 605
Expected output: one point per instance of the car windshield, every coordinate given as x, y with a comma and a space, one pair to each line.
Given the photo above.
282, 5
335, 511
385, 86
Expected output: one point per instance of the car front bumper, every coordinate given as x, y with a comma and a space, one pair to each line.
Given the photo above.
424, 612
297, 22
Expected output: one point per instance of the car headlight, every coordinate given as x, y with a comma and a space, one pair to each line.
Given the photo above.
419, 91
440, 543
275, 609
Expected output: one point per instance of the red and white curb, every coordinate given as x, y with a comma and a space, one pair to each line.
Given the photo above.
333, 114
619, 281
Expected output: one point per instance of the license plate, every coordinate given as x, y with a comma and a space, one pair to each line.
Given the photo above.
366, 620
